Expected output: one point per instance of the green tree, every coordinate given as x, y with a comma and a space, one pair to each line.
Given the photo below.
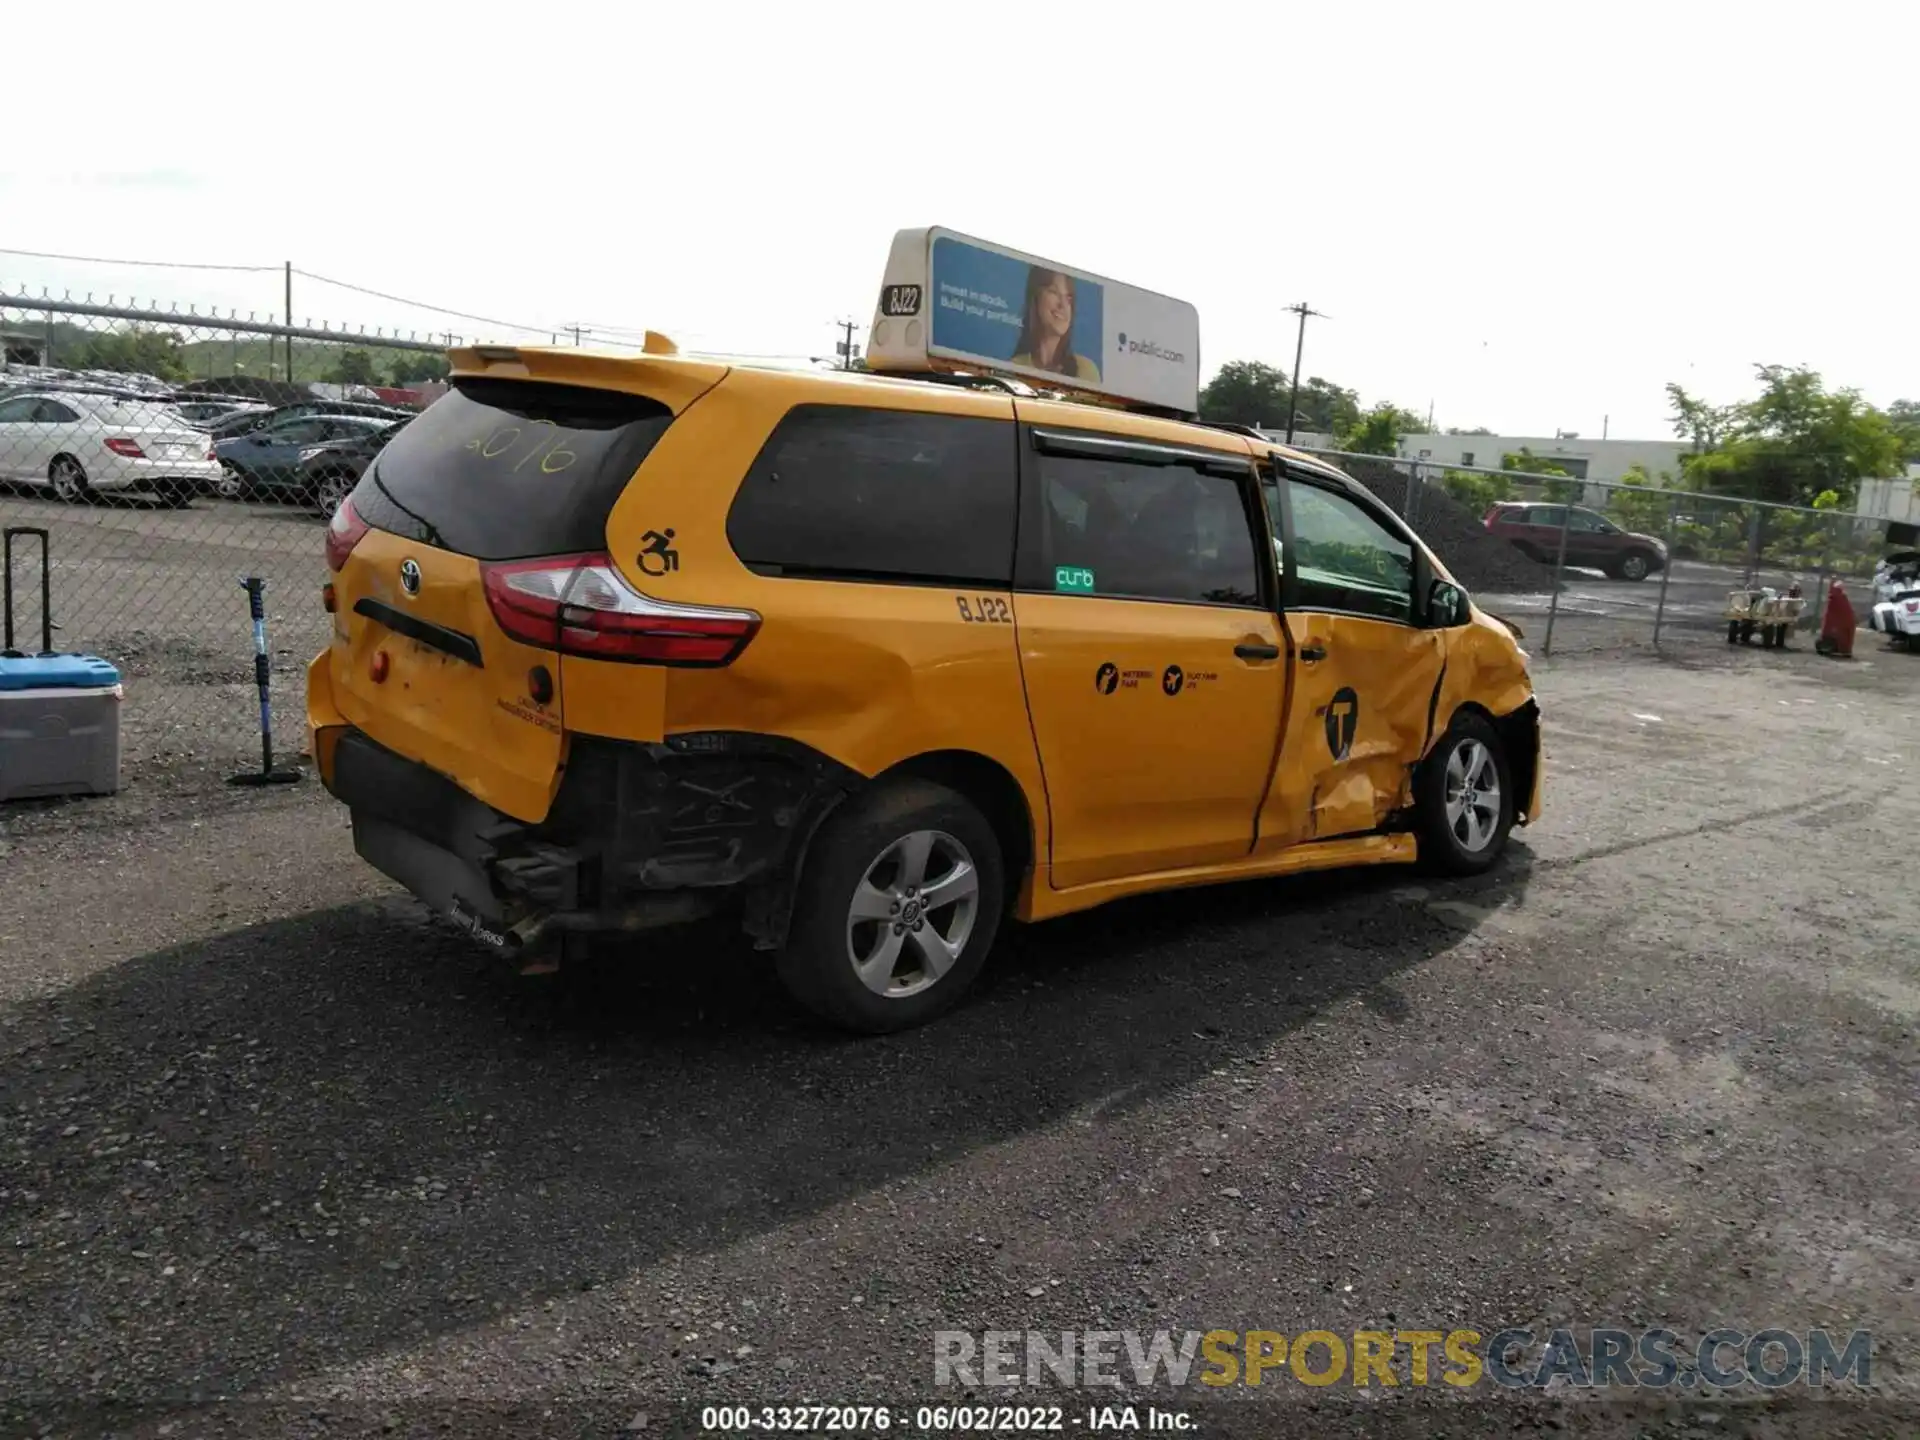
1798, 439
1477, 492
412, 366
1246, 392
1476, 430
1694, 419
1560, 491
1904, 416
354, 367
1249, 392
1378, 431
132, 351
1639, 505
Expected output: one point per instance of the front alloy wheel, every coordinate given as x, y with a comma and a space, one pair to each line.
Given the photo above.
1473, 796
331, 493
1463, 798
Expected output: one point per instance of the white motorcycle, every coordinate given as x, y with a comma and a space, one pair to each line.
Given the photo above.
1896, 598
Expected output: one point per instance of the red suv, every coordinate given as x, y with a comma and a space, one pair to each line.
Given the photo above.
1593, 541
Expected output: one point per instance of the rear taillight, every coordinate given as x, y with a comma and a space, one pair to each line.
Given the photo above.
210, 454
580, 605
343, 533
120, 445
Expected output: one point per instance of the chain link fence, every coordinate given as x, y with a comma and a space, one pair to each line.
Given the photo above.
168, 456
1595, 565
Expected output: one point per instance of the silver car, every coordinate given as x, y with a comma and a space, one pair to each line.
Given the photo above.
84, 444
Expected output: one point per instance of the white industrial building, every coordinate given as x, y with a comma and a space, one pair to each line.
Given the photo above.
1598, 460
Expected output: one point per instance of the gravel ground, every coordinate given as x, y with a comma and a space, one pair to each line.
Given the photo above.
284, 1157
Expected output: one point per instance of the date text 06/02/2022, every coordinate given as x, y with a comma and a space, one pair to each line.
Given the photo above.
940, 1419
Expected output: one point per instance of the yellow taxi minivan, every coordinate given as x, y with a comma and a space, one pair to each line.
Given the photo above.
875, 664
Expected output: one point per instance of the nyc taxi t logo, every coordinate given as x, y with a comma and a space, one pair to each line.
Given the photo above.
1343, 718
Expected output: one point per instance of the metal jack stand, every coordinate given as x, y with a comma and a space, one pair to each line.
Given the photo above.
256, 589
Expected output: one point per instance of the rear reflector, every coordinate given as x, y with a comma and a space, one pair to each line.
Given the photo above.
344, 531
580, 605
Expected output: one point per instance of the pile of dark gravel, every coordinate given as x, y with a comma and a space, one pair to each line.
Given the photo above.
1478, 561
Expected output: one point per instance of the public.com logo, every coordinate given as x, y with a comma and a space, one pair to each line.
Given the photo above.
1151, 349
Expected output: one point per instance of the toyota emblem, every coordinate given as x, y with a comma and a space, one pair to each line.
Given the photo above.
410, 577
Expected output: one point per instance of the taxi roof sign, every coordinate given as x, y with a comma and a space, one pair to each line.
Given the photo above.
950, 300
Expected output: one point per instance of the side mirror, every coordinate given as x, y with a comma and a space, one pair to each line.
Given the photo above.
1446, 605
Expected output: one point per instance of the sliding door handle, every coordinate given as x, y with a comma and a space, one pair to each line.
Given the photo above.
1250, 650
1313, 650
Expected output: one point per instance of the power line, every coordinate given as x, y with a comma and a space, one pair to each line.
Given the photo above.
144, 264
423, 305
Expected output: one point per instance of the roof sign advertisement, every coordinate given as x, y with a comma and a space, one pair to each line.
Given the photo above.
949, 298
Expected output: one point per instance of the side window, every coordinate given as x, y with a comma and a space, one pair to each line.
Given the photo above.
1344, 559
1554, 515
1588, 521
846, 493
1137, 531
52, 412
297, 432
15, 411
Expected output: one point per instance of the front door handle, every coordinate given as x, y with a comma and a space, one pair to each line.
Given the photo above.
1253, 650
1313, 651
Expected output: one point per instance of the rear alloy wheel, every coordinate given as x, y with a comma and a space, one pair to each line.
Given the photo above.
901, 898
231, 485
69, 480
331, 492
1634, 566
1464, 798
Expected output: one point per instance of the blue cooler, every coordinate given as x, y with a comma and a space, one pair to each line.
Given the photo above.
59, 714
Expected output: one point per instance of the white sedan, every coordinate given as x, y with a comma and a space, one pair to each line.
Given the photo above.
83, 444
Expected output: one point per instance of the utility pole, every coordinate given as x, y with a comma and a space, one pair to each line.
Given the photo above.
289, 265
576, 336
1604, 419
846, 346
1299, 349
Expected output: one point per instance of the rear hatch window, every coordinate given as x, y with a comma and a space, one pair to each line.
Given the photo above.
511, 469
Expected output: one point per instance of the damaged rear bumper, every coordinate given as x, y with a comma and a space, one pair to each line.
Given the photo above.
639, 835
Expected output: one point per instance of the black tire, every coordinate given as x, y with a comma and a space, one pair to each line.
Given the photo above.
329, 490
1746, 631
1442, 847
817, 964
1733, 632
233, 483
68, 477
1635, 565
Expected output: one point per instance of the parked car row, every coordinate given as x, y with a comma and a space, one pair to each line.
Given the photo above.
82, 443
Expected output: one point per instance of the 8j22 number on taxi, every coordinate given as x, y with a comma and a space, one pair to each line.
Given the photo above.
984, 610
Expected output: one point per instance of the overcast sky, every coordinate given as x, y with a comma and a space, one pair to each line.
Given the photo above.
1530, 216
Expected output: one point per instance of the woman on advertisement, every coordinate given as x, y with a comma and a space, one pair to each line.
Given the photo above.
1046, 333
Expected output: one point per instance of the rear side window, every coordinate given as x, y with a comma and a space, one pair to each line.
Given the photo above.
847, 493
511, 469
1145, 532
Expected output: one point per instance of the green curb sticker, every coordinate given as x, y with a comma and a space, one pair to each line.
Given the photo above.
1071, 577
